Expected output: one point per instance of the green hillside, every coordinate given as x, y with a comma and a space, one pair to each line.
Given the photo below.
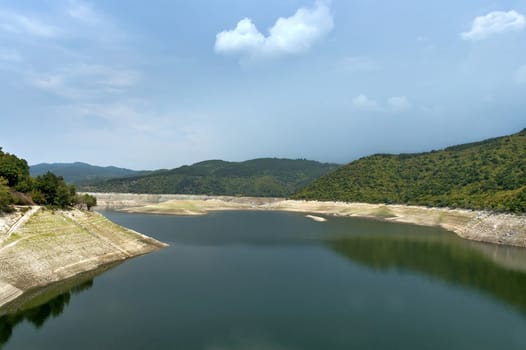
81, 173
266, 177
490, 174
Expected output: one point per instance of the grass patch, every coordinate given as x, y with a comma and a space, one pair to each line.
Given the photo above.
384, 212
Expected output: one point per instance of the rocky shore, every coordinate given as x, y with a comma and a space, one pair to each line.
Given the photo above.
40, 247
496, 228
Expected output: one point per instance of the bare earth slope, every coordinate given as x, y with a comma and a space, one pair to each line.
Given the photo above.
481, 226
46, 246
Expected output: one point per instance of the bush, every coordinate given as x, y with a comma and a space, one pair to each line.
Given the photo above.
85, 201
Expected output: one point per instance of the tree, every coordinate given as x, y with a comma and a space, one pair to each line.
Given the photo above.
86, 200
50, 189
14, 169
5, 195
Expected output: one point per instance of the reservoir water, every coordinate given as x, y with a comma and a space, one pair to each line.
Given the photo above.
276, 281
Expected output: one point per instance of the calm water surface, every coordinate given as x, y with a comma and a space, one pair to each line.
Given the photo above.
274, 281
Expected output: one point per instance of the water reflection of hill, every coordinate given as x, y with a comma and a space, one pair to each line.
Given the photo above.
38, 315
40, 305
460, 264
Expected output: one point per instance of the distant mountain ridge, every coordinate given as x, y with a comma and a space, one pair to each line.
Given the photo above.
489, 174
265, 177
79, 173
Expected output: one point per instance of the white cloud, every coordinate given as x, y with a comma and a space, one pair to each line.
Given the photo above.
83, 12
42, 59
392, 104
48, 81
84, 20
84, 81
245, 38
399, 103
291, 35
363, 102
118, 113
520, 75
20, 24
102, 75
495, 23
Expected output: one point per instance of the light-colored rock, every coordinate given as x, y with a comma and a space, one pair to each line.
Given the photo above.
316, 218
46, 246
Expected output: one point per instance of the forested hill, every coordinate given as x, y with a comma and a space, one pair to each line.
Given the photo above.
81, 173
490, 174
266, 177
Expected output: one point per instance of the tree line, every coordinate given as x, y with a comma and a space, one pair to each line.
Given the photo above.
17, 187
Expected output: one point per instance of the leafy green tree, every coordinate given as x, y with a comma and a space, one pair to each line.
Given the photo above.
5, 197
14, 170
52, 190
86, 200
38, 197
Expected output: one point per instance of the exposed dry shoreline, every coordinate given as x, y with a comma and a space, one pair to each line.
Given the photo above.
40, 247
505, 229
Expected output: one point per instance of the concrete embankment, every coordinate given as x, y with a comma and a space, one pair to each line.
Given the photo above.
42, 247
505, 229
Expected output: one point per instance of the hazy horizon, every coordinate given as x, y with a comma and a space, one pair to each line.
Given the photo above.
227, 160
168, 84
169, 168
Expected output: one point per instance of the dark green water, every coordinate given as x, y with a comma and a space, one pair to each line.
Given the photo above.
274, 281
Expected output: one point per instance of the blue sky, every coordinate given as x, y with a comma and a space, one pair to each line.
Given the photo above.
163, 83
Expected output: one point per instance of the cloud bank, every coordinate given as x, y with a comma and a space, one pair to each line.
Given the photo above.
495, 22
363, 102
393, 104
288, 36
20, 24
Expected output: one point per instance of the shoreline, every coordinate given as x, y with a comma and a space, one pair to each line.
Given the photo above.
482, 226
41, 247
